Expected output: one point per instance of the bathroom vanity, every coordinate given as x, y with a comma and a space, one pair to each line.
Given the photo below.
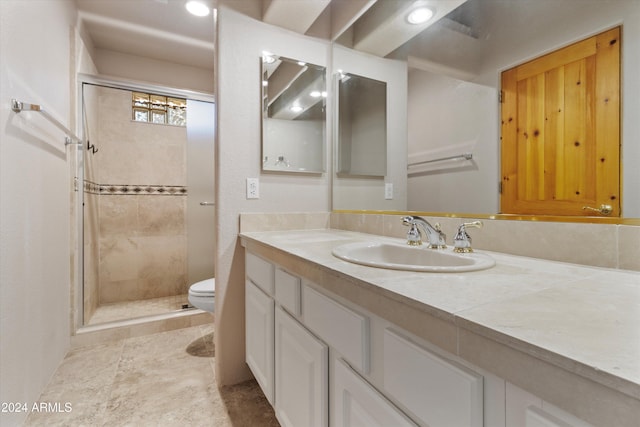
525, 343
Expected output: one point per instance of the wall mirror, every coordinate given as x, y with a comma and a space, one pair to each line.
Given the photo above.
454, 85
361, 125
293, 115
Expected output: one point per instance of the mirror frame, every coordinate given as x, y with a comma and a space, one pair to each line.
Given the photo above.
504, 217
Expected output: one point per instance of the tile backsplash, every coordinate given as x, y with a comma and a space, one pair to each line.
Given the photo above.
598, 245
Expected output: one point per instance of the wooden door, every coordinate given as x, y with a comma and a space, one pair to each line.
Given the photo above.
560, 143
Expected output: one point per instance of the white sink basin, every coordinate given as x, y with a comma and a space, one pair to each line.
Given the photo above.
412, 258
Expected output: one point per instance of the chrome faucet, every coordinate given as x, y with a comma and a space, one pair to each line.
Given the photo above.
462, 240
435, 236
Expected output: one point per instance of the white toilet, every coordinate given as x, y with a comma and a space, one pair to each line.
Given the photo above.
202, 294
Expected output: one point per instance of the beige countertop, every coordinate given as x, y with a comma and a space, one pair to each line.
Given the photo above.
582, 319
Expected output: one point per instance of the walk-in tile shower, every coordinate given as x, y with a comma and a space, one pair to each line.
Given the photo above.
148, 200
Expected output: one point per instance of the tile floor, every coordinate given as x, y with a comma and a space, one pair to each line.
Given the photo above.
164, 379
132, 309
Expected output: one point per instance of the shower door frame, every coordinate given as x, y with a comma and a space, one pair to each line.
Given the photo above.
77, 294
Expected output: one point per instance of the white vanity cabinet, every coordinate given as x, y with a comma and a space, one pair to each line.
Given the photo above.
301, 361
259, 322
289, 363
402, 349
302, 377
314, 358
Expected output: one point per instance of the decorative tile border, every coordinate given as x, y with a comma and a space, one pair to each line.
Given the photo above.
91, 187
134, 190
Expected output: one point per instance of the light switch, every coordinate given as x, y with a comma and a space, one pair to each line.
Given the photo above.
388, 191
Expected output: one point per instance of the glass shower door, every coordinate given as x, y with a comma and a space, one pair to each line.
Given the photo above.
201, 190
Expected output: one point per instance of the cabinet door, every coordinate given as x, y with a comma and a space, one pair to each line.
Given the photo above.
526, 409
438, 392
355, 403
259, 318
340, 327
301, 375
536, 417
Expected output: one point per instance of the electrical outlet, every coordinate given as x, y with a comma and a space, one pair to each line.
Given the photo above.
253, 188
388, 191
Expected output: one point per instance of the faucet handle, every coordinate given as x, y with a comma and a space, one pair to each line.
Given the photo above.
413, 236
441, 238
462, 240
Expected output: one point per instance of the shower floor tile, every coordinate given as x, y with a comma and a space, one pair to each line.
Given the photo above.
164, 379
132, 309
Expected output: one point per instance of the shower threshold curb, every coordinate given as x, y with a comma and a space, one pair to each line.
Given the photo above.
121, 329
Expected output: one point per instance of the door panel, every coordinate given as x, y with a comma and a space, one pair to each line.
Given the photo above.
561, 130
201, 191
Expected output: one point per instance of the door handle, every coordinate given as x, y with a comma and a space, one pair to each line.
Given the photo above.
207, 203
602, 210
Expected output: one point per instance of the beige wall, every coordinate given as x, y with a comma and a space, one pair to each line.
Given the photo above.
34, 192
149, 70
241, 41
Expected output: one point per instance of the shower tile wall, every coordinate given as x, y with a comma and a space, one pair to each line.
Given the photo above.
141, 171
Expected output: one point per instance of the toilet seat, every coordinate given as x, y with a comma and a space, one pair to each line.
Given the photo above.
202, 294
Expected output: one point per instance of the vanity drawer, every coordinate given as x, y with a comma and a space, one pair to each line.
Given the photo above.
438, 391
260, 272
288, 291
342, 328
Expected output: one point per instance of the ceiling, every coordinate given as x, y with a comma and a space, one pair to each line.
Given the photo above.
458, 38
162, 29
157, 29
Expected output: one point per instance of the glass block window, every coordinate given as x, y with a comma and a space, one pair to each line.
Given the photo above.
149, 108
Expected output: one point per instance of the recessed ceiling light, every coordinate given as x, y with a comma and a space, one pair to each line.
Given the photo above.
197, 8
316, 94
419, 15
296, 109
